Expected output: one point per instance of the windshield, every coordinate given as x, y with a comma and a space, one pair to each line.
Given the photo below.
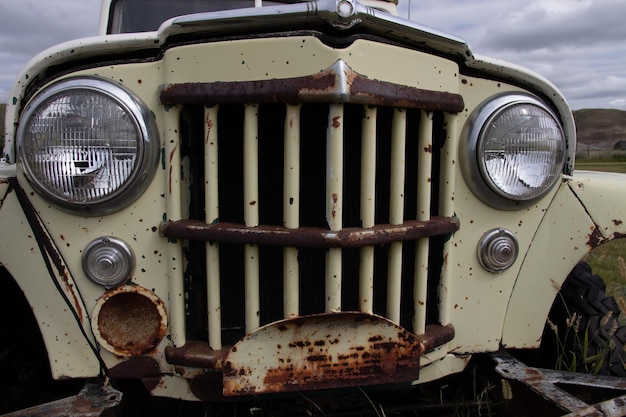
129, 16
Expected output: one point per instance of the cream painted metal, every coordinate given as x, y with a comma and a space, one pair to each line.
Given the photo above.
562, 237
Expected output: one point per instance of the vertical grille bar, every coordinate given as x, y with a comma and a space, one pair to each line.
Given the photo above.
396, 212
334, 201
174, 211
424, 163
212, 216
368, 206
446, 202
291, 208
251, 213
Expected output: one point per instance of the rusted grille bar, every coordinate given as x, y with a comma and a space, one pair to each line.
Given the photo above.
308, 237
337, 84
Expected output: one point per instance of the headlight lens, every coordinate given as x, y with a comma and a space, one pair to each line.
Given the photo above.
86, 143
513, 152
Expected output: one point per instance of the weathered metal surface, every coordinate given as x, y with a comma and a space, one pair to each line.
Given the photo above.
92, 400
615, 407
63, 280
129, 320
308, 237
322, 351
195, 354
338, 84
544, 382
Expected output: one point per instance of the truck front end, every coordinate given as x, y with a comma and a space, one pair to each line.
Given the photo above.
287, 198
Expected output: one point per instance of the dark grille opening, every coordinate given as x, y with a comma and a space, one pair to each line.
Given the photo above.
313, 151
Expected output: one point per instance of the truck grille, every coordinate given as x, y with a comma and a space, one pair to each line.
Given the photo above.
309, 195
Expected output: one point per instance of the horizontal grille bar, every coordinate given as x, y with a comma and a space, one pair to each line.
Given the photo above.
308, 237
338, 84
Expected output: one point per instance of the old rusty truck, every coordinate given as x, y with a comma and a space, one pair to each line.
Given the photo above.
228, 200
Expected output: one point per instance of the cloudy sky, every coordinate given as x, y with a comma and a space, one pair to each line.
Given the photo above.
580, 45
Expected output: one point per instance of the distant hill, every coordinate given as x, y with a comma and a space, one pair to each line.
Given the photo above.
597, 128
600, 128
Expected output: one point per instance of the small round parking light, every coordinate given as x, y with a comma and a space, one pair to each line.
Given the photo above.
497, 250
108, 261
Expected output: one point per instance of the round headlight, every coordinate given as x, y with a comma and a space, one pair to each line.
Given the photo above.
513, 152
87, 144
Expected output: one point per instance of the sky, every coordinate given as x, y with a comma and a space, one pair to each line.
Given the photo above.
579, 45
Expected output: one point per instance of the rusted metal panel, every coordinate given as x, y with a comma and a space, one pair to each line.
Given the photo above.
92, 400
129, 320
322, 351
544, 382
308, 237
338, 84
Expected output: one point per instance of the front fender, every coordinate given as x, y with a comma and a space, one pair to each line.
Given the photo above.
587, 210
603, 194
68, 352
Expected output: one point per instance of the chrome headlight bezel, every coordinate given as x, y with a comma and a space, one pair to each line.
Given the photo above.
147, 145
473, 167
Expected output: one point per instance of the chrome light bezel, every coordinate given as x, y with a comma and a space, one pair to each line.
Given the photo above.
148, 145
108, 261
470, 147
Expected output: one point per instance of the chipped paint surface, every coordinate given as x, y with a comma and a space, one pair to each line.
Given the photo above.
322, 351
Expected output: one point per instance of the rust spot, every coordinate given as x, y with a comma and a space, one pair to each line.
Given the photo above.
428, 149
252, 203
595, 238
617, 222
336, 123
209, 125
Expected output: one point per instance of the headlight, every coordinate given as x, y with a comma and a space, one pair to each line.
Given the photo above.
512, 151
87, 144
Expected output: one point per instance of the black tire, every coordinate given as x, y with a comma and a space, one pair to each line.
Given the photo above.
583, 332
